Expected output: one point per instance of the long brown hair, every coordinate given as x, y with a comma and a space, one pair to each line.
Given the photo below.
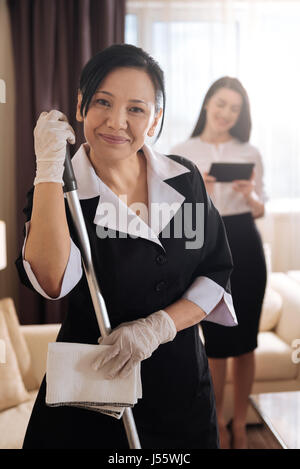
242, 128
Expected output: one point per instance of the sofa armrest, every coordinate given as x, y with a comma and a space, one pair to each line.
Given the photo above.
37, 337
288, 326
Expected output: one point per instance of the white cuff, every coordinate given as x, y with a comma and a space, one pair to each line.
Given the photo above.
72, 275
213, 300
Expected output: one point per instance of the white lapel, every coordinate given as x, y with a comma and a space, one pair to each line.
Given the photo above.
112, 212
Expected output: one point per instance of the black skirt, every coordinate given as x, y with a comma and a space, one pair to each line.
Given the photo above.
248, 282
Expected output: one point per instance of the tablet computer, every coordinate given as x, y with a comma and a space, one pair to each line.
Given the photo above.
228, 172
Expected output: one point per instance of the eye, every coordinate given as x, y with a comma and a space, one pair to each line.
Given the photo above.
136, 109
102, 102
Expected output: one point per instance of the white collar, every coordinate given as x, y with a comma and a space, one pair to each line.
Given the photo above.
159, 169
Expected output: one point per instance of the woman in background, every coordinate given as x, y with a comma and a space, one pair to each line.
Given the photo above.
221, 135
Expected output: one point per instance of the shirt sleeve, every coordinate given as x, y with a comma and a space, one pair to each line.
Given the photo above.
72, 275
210, 287
214, 300
259, 179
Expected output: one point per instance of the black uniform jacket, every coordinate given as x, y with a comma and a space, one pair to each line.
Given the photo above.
139, 275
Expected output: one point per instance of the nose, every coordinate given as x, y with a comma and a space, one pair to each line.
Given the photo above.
117, 119
229, 114
226, 113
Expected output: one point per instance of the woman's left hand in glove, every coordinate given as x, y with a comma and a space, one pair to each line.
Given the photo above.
135, 341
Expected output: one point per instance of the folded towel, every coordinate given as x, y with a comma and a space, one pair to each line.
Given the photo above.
72, 381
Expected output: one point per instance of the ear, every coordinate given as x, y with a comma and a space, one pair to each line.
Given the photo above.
79, 117
157, 117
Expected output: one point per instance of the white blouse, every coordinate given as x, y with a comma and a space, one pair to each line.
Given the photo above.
203, 154
204, 292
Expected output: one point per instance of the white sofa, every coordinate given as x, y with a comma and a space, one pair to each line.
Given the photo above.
275, 370
278, 351
14, 420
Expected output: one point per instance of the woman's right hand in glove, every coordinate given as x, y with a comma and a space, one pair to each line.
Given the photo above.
134, 341
51, 134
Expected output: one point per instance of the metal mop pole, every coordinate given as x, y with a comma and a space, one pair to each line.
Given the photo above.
70, 189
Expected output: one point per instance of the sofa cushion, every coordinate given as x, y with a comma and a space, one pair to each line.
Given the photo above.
12, 389
294, 274
16, 337
271, 310
273, 359
37, 337
13, 424
288, 327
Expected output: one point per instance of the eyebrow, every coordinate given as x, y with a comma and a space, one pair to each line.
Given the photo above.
224, 101
131, 100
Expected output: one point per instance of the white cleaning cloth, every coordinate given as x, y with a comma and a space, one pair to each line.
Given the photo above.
72, 381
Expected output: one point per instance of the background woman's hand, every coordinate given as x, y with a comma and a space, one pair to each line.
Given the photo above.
244, 186
209, 182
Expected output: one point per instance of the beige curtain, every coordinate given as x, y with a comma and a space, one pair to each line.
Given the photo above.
52, 41
8, 277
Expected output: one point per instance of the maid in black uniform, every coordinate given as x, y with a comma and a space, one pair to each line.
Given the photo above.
160, 284
221, 135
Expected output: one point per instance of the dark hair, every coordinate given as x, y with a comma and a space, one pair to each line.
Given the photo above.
242, 128
120, 55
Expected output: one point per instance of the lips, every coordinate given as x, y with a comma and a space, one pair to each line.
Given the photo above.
114, 139
222, 122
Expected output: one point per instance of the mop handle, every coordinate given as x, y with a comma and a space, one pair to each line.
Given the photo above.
69, 179
70, 189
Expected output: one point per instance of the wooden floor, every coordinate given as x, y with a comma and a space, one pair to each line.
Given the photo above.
259, 437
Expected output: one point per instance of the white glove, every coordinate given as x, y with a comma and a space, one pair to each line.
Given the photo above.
135, 341
51, 134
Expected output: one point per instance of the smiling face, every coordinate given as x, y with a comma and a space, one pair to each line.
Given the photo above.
223, 110
121, 114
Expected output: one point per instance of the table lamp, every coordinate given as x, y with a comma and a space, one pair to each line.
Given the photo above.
2, 245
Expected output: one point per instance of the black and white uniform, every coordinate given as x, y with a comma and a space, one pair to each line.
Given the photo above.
142, 268
248, 279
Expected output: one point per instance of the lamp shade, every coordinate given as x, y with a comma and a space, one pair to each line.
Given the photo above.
2, 245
